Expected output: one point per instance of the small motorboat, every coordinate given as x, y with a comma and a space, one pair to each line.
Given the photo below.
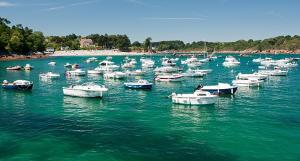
230, 61
168, 62
137, 72
92, 59
194, 64
191, 60
166, 69
128, 65
28, 67
250, 82
14, 68
275, 72
94, 72
205, 60
68, 65
140, 84
85, 90
169, 78
253, 75
115, 75
18, 84
107, 65
193, 73
52, 63
147, 63
76, 72
258, 60
49, 75
75, 66
197, 98
220, 89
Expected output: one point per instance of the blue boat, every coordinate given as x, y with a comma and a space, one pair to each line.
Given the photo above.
140, 84
18, 85
220, 89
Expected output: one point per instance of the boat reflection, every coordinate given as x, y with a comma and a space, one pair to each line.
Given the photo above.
194, 114
73, 104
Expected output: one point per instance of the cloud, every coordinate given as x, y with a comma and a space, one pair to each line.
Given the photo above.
6, 4
83, 3
141, 3
63, 6
176, 18
55, 8
274, 14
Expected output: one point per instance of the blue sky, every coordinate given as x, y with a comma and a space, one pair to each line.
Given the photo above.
187, 20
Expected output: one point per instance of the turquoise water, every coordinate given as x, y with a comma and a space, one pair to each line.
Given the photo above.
256, 124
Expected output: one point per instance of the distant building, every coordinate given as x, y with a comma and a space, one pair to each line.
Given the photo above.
63, 48
49, 50
84, 42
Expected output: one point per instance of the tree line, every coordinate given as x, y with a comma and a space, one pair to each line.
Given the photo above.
17, 39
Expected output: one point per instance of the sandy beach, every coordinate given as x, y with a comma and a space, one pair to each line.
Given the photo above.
118, 53
96, 53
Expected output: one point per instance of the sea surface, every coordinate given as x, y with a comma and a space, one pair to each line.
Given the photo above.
257, 124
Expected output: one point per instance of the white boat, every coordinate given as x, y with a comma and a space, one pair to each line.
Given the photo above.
251, 82
205, 60
132, 61
128, 65
166, 69
205, 71
192, 59
140, 84
107, 65
197, 98
68, 65
193, 73
109, 58
137, 72
75, 66
195, 64
49, 75
169, 78
267, 62
262, 67
28, 67
287, 65
18, 85
147, 63
230, 61
258, 60
52, 63
76, 72
275, 72
168, 62
92, 59
85, 90
14, 67
254, 75
115, 75
94, 72
219, 89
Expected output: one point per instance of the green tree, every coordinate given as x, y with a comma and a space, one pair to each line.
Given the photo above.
15, 43
147, 44
38, 41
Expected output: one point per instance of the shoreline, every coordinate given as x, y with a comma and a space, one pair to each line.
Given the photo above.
133, 53
87, 53
12, 57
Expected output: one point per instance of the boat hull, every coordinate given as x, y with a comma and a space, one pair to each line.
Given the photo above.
18, 87
132, 86
194, 100
82, 93
227, 91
